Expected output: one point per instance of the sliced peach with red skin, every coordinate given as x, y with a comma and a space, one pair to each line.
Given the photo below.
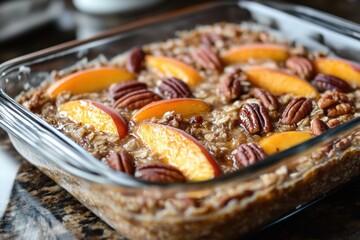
90, 80
278, 142
179, 149
275, 52
278, 82
170, 67
98, 115
187, 107
340, 68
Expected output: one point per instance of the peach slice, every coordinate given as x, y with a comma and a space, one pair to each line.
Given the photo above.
276, 52
278, 82
278, 142
96, 114
350, 72
170, 67
89, 80
184, 106
179, 149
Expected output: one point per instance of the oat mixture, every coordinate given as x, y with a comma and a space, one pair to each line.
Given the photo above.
242, 113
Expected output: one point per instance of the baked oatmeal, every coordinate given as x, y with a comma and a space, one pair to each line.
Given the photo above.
209, 102
251, 85
234, 92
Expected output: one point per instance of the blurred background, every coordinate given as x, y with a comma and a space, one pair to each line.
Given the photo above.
30, 25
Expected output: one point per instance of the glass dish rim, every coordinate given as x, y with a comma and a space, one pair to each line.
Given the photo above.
269, 161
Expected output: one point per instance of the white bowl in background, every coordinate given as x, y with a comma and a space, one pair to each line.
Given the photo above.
112, 6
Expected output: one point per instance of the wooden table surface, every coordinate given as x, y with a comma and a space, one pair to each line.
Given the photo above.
33, 214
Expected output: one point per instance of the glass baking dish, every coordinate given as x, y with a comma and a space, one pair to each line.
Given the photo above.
229, 206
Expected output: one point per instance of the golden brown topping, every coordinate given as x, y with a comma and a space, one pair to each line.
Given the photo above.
160, 173
122, 162
248, 154
296, 110
325, 82
135, 60
136, 99
207, 59
121, 89
267, 99
255, 118
301, 66
231, 84
335, 104
174, 88
318, 126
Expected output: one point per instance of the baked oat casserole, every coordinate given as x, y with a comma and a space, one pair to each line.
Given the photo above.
211, 101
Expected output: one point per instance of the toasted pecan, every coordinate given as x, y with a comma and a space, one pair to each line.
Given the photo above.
325, 82
137, 99
160, 172
119, 90
296, 110
207, 59
255, 118
122, 162
301, 66
231, 84
174, 88
135, 60
247, 154
267, 99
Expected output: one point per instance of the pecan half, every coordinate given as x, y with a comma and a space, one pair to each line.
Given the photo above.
255, 118
122, 162
301, 66
318, 126
231, 84
335, 104
174, 88
247, 154
160, 173
338, 110
267, 99
135, 60
325, 82
207, 59
330, 99
136, 99
121, 89
296, 110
